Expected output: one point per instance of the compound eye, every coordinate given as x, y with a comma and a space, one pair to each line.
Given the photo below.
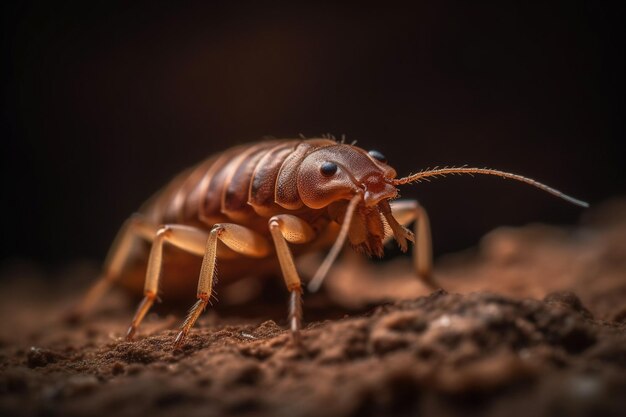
328, 169
377, 156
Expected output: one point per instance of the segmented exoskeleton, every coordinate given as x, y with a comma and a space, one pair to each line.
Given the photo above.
272, 200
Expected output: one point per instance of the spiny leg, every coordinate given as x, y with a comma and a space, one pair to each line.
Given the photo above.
287, 228
405, 212
134, 228
238, 238
187, 238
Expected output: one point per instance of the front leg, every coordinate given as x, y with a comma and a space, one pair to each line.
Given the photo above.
405, 212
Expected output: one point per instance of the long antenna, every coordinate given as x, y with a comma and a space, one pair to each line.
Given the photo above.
440, 172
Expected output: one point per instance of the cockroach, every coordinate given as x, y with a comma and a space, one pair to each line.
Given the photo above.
271, 200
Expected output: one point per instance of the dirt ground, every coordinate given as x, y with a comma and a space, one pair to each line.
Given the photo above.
533, 323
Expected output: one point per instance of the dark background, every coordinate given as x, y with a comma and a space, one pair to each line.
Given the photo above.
102, 103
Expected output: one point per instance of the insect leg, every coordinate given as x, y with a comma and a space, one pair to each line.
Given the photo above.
238, 238
287, 228
134, 228
187, 238
407, 211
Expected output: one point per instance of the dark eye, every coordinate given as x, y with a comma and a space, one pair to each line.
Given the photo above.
328, 169
377, 156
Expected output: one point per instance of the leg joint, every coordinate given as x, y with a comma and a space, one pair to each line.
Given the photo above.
217, 229
163, 232
275, 222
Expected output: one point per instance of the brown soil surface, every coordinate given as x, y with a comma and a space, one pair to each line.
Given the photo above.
533, 324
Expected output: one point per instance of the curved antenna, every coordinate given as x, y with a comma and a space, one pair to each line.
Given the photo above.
440, 172
321, 272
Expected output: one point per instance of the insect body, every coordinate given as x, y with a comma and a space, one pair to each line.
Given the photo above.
273, 200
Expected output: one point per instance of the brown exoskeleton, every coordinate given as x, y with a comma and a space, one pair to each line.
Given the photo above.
264, 200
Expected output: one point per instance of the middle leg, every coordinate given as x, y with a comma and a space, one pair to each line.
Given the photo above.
238, 238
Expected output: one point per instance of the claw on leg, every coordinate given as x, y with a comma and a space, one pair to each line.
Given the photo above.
287, 228
193, 315
141, 312
238, 238
295, 315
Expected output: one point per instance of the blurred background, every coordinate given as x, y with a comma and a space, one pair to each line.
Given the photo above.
103, 102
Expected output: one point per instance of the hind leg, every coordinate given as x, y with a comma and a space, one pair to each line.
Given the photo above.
134, 229
187, 238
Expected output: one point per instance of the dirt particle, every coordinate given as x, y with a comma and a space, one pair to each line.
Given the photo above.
135, 353
384, 342
356, 346
117, 368
575, 337
37, 357
260, 352
268, 329
569, 300
405, 321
